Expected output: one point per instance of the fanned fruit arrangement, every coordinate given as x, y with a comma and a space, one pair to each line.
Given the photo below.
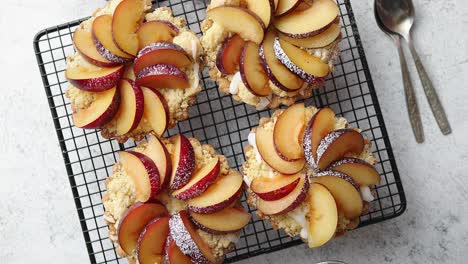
134, 72
174, 201
309, 173
271, 52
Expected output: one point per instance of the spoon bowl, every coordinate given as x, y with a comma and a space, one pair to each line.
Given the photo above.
396, 15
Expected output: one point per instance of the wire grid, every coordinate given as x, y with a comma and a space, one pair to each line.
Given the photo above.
217, 120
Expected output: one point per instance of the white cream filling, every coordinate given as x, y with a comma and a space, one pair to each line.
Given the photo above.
264, 102
318, 53
253, 143
299, 215
234, 86
303, 88
196, 66
271, 174
247, 180
233, 237
366, 194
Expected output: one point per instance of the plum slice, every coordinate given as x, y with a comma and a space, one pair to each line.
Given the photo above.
318, 127
279, 75
200, 181
299, 61
323, 215
221, 194
183, 162
131, 107
84, 43
143, 172
238, 20
156, 31
363, 173
162, 76
288, 202
150, 245
286, 6
288, 133
100, 112
252, 73
227, 220
274, 188
345, 191
188, 240
228, 57
265, 144
264, 9
317, 41
162, 53
126, 19
156, 110
134, 221
308, 22
336, 144
104, 41
94, 79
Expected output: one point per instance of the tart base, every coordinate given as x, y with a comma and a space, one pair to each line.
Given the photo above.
120, 196
255, 167
213, 37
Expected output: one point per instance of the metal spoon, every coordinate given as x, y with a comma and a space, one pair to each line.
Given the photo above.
398, 16
411, 103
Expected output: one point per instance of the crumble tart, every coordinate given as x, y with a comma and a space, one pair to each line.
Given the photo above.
308, 173
134, 71
253, 54
207, 193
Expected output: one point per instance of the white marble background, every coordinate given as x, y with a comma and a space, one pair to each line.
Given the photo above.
38, 221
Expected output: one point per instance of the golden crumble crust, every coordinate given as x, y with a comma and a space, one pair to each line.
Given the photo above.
120, 196
253, 168
212, 39
178, 100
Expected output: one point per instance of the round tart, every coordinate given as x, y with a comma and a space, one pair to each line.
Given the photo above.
267, 53
174, 201
308, 173
134, 72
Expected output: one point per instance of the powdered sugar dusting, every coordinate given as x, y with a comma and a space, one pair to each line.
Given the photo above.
340, 175
307, 146
183, 170
98, 84
107, 54
348, 161
184, 240
281, 55
327, 140
158, 46
161, 69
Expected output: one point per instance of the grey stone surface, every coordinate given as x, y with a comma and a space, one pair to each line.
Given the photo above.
38, 221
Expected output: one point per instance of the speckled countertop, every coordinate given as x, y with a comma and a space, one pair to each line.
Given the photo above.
38, 221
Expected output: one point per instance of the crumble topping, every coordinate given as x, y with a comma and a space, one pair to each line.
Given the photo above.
178, 100
121, 194
213, 37
293, 223
80, 99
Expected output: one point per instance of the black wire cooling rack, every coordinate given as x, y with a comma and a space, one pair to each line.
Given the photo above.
217, 120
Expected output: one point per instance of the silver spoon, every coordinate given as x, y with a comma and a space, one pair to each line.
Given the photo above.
398, 16
411, 103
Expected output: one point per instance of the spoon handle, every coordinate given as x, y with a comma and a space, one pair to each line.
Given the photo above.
431, 94
411, 103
